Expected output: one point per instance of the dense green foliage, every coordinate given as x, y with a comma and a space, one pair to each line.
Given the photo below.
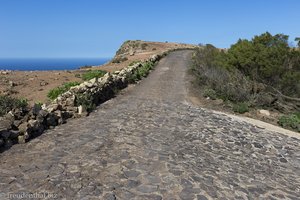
241, 107
8, 103
264, 71
265, 59
141, 72
54, 93
134, 62
290, 121
86, 101
92, 74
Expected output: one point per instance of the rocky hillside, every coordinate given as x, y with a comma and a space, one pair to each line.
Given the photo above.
138, 50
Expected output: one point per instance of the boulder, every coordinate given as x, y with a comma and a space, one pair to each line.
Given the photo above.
80, 110
43, 83
21, 139
51, 119
6, 122
36, 109
12, 84
5, 134
1, 142
23, 127
264, 112
70, 101
53, 107
14, 134
17, 123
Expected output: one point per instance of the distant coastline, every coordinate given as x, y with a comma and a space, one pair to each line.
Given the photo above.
46, 64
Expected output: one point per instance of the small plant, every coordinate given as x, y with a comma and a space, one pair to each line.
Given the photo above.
8, 103
77, 75
241, 107
144, 46
92, 74
54, 93
208, 92
86, 101
290, 121
134, 62
141, 72
119, 59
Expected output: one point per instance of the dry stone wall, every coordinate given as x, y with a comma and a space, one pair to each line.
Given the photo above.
19, 126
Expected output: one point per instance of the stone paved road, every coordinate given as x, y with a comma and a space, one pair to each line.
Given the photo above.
149, 143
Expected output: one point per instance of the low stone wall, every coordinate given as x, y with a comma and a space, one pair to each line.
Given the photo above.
19, 126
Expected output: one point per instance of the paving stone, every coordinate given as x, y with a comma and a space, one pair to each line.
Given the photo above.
166, 148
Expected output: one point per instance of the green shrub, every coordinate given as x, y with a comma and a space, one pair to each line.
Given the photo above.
141, 72
119, 59
210, 93
92, 74
134, 62
8, 103
144, 46
241, 107
86, 101
54, 93
290, 121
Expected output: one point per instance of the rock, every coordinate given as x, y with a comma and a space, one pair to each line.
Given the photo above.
51, 119
72, 109
80, 109
1, 142
35, 126
131, 52
5, 124
36, 109
12, 84
52, 107
18, 113
33, 123
14, 134
17, 123
5, 134
70, 101
219, 101
21, 139
264, 112
43, 113
23, 127
43, 83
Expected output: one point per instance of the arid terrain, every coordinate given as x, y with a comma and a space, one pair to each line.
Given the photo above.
34, 85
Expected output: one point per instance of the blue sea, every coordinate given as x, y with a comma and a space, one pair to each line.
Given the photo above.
33, 64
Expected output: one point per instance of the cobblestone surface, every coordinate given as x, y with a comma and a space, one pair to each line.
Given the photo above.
149, 143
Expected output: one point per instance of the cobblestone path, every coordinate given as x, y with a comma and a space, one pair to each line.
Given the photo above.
150, 143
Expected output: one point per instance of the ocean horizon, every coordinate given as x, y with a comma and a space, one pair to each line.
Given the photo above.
45, 64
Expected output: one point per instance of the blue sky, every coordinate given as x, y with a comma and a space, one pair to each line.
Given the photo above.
96, 28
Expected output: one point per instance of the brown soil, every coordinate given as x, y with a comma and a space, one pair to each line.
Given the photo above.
34, 85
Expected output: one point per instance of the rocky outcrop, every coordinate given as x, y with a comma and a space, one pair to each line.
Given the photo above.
20, 126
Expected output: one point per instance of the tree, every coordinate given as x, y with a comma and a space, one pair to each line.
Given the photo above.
297, 39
